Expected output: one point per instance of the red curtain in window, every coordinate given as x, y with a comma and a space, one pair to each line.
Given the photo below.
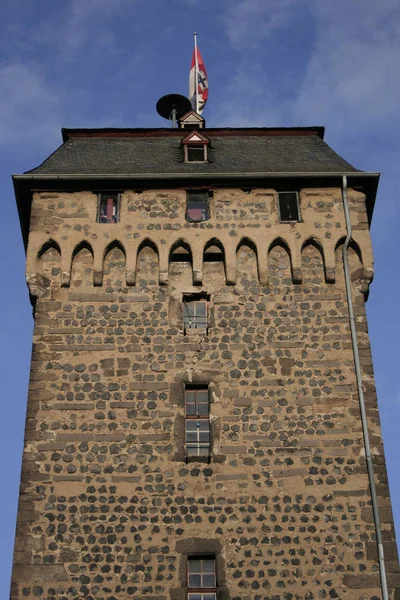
110, 209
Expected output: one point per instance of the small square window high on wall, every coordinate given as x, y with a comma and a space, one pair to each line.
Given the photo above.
108, 208
195, 313
201, 578
197, 207
288, 204
197, 422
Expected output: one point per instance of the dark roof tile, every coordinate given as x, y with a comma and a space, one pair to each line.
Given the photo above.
231, 153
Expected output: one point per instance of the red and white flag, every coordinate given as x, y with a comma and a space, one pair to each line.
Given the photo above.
197, 68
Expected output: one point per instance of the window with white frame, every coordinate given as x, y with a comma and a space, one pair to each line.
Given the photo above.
201, 578
195, 313
195, 147
197, 421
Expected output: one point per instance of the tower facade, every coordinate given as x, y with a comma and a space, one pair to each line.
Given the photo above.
195, 424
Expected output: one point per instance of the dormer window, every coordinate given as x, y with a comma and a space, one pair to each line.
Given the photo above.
197, 153
195, 147
192, 120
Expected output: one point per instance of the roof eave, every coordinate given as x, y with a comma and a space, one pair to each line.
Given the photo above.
172, 132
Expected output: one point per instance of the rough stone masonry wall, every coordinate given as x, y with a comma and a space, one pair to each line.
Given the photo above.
109, 509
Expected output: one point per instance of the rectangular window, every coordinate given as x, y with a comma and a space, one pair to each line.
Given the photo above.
197, 208
108, 208
288, 203
196, 153
195, 314
202, 578
197, 421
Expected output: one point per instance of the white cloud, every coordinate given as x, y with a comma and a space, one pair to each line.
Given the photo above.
248, 101
29, 109
349, 71
353, 71
77, 23
40, 95
248, 21
342, 73
80, 15
33, 109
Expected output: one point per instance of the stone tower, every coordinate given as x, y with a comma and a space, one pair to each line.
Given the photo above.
195, 421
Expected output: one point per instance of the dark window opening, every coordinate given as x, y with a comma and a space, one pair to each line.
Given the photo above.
108, 209
197, 422
191, 126
181, 253
196, 153
195, 313
197, 208
213, 253
288, 203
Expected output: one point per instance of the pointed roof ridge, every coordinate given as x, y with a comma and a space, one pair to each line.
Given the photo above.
192, 113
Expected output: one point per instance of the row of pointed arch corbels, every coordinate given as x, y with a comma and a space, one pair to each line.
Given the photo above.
196, 249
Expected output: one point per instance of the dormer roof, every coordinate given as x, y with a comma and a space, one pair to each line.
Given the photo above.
192, 119
195, 137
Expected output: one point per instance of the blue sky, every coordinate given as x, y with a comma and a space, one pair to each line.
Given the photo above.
104, 63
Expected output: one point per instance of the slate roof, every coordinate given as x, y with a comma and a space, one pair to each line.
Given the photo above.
124, 152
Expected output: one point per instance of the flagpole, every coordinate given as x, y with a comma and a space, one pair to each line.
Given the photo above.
196, 74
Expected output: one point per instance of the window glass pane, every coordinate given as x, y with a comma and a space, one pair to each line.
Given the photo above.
195, 580
197, 196
193, 451
202, 396
197, 597
197, 203
190, 395
288, 206
196, 153
208, 581
194, 565
202, 409
204, 451
197, 407
197, 206
189, 308
204, 432
108, 208
208, 565
191, 409
201, 308
191, 433
209, 596
195, 314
